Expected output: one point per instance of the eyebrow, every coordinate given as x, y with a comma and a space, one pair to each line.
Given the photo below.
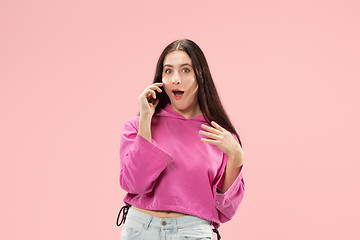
180, 65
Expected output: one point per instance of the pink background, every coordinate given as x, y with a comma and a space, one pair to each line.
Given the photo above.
287, 73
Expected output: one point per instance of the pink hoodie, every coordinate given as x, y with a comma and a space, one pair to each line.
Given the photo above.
177, 171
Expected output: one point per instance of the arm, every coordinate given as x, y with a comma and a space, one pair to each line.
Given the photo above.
230, 187
145, 126
232, 170
141, 159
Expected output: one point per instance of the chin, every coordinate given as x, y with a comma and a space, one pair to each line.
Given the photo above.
173, 103
181, 107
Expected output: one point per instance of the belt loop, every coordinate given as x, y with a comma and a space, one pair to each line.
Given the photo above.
176, 225
147, 224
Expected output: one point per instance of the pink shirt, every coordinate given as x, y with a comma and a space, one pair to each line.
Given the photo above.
177, 171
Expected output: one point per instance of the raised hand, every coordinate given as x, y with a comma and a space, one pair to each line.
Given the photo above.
224, 140
146, 99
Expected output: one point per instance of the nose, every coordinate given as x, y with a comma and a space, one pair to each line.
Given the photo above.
176, 78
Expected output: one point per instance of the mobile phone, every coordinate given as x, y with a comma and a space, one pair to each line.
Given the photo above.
157, 94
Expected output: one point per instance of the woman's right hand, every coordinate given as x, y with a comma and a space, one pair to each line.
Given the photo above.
147, 108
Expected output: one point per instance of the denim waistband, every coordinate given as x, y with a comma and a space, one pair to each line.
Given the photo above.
164, 223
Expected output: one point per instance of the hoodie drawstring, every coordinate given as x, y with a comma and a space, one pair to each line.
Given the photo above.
217, 233
126, 209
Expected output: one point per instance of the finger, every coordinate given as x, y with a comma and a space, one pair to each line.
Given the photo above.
155, 103
151, 92
207, 134
217, 126
155, 87
214, 142
149, 98
210, 129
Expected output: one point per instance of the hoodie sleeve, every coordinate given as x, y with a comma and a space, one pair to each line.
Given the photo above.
141, 161
227, 203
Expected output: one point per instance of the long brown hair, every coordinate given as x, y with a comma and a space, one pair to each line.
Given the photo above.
208, 97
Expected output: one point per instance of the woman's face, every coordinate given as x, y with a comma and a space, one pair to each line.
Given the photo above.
178, 73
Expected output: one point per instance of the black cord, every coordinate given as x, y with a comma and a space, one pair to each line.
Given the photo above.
126, 209
217, 233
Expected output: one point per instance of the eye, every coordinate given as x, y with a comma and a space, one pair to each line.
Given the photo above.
188, 70
166, 71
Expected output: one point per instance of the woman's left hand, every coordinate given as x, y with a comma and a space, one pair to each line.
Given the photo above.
224, 140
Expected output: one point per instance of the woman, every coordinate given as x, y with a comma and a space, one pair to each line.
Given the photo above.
180, 157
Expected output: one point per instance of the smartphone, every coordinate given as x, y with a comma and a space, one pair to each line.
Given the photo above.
157, 94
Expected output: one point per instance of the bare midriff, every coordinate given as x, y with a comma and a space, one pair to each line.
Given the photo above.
160, 214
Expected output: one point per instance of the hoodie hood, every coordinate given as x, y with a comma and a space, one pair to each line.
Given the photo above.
169, 112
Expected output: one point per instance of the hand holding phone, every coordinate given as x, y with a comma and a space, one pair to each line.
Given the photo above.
148, 99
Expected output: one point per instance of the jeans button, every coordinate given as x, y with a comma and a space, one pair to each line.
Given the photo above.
164, 223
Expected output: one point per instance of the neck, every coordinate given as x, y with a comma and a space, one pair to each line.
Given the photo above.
190, 111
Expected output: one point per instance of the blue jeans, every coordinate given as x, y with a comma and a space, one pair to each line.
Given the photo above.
142, 226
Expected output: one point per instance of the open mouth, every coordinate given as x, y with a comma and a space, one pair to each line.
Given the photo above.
178, 93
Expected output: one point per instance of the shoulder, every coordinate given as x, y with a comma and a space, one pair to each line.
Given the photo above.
132, 122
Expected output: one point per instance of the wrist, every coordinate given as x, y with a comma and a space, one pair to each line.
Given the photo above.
145, 119
236, 157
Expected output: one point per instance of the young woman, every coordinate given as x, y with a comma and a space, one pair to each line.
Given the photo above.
180, 157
